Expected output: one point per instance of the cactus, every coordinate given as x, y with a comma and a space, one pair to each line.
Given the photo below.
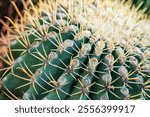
14, 10
7, 9
143, 4
79, 49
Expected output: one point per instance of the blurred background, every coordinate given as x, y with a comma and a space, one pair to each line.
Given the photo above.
7, 9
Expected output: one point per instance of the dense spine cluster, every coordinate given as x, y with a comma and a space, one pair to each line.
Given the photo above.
79, 49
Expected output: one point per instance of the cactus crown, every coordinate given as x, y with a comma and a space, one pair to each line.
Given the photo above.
79, 49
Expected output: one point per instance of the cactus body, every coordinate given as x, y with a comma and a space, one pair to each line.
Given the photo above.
81, 49
144, 4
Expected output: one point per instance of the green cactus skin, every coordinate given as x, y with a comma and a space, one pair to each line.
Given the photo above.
79, 50
143, 4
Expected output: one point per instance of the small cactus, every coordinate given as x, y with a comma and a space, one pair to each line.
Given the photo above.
79, 49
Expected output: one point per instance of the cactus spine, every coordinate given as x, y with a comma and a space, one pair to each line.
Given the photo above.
79, 49
142, 4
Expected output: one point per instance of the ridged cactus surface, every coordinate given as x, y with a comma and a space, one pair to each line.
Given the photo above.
79, 49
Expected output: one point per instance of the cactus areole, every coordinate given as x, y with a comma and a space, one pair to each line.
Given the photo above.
78, 50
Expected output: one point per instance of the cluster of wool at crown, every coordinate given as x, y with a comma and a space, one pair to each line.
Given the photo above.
78, 49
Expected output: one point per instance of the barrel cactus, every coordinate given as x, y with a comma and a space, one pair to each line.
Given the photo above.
79, 49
